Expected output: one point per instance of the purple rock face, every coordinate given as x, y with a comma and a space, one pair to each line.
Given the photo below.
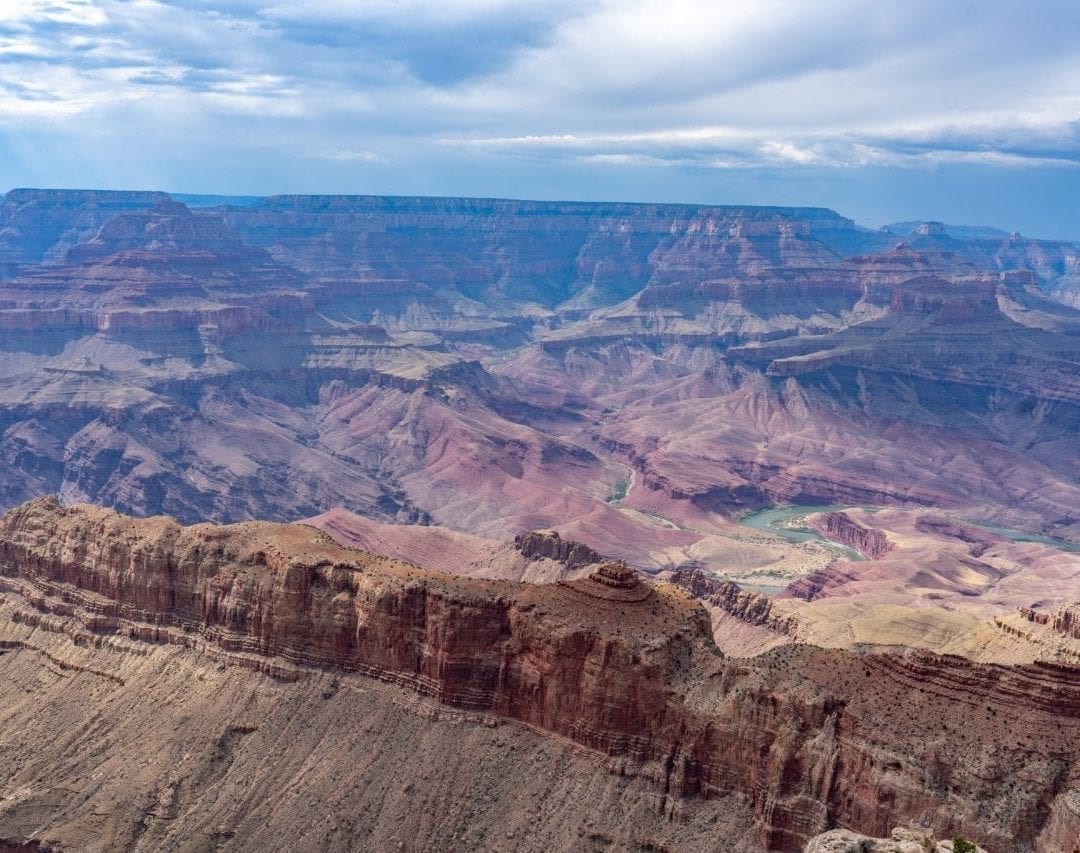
497, 366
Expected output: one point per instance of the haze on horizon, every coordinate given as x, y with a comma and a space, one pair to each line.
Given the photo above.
955, 111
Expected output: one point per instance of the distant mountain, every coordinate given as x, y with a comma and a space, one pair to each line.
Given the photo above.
960, 232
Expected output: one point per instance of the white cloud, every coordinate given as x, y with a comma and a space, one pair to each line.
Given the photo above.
505, 85
353, 156
1029, 142
77, 12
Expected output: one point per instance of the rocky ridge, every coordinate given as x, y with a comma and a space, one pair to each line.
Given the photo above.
811, 738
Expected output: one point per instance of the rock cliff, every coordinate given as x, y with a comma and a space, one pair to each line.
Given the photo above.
41, 225
1065, 621
547, 544
810, 738
842, 528
745, 605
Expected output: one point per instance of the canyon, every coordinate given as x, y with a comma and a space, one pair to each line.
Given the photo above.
307, 497
496, 366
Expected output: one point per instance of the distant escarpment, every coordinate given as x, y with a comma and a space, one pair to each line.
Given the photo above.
42, 225
808, 738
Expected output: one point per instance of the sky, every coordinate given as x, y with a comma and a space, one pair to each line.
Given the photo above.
964, 112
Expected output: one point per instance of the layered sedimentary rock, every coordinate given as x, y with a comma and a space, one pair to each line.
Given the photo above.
1065, 621
485, 249
808, 738
1055, 632
745, 605
818, 426
989, 247
842, 528
41, 225
499, 366
548, 545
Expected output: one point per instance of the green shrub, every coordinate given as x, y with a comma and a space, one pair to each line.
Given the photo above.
619, 492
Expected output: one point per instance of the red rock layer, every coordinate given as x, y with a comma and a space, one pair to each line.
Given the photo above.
812, 738
842, 528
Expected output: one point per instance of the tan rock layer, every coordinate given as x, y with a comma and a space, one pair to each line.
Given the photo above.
1065, 621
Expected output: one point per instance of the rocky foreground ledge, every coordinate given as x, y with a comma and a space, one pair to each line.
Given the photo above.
902, 840
805, 739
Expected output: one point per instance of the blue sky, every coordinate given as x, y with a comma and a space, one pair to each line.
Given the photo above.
960, 111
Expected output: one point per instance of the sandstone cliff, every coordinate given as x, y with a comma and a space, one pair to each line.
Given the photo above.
745, 605
810, 738
539, 544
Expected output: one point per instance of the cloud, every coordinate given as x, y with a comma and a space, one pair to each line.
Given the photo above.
513, 88
1025, 145
352, 156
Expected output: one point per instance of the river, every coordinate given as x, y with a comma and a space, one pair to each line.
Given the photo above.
777, 520
1020, 536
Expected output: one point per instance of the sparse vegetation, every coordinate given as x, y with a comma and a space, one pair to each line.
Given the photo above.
962, 845
618, 492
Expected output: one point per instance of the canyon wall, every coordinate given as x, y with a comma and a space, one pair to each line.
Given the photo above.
811, 738
494, 366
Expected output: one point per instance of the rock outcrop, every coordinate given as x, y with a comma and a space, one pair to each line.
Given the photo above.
842, 528
547, 544
745, 605
810, 738
902, 840
1065, 621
